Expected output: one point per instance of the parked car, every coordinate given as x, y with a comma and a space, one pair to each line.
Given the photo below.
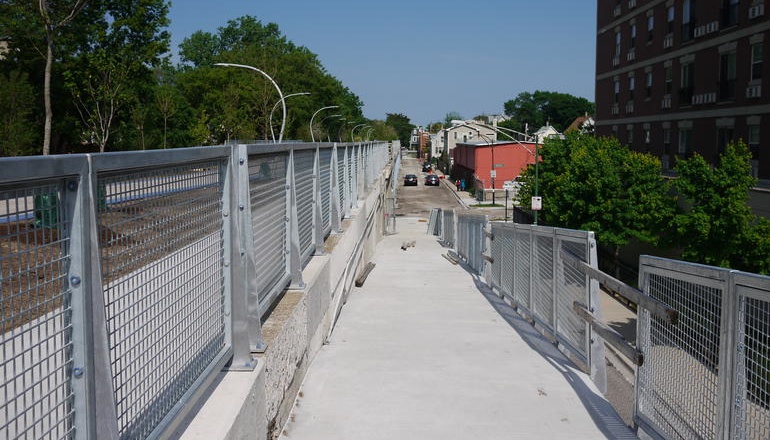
410, 180
432, 180
425, 167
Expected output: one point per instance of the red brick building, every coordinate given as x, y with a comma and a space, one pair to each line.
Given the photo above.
474, 162
675, 77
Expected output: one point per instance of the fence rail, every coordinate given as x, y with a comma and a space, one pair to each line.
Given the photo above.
129, 279
703, 344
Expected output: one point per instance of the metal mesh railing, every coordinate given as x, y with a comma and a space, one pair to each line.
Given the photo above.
36, 311
125, 277
161, 245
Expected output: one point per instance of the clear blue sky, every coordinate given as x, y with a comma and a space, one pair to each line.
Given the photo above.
426, 58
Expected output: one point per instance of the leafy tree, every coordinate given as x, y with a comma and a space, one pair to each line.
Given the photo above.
401, 125
717, 226
602, 186
17, 132
534, 110
451, 116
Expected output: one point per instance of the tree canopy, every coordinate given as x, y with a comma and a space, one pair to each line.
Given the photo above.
534, 110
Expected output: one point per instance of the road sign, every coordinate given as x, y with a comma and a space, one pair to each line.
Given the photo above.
493, 174
537, 203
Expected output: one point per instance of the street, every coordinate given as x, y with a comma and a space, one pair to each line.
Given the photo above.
417, 201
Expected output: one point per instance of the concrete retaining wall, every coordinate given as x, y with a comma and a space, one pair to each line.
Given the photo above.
255, 405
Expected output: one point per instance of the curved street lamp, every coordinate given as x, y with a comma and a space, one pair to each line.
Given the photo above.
328, 135
312, 136
352, 139
270, 119
280, 93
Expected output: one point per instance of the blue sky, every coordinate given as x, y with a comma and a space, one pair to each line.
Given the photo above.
426, 58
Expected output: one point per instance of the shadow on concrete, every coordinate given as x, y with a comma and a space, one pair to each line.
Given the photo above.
601, 411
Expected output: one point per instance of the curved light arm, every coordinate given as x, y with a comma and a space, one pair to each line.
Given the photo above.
369, 132
354, 129
270, 120
312, 136
280, 93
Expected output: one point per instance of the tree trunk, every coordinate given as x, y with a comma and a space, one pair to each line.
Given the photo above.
47, 94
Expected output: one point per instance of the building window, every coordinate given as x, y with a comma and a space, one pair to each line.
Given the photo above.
724, 137
669, 80
648, 84
616, 88
727, 75
650, 26
756, 61
688, 20
670, 15
633, 36
687, 82
647, 136
729, 13
617, 44
631, 87
753, 140
630, 135
685, 142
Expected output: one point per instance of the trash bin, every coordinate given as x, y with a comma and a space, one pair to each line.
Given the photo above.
46, 210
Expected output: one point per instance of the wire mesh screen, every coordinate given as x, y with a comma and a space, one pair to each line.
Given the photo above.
752, 373
35, 397
574, 287
522, 269
506, 259
343, 182
496, 248
677, 386
161, 246
325, 159
542, 290
304, 161
267, 190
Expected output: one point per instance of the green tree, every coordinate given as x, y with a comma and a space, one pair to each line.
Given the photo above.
534, 110
717, 226
401, 125
452, 116
599, 185
17, 131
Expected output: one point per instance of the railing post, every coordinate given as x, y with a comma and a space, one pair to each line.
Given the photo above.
335, 210
91, 374
292, 232
318, 229
346, 197
246, 271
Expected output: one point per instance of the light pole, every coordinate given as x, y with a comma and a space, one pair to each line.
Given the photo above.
312, 136
270, 119
354, 129
328, 135
280, 93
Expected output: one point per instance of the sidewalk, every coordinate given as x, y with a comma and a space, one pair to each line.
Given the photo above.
423, 351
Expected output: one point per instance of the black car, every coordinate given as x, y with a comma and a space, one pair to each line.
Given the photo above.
431, 180
425, 167
410, 180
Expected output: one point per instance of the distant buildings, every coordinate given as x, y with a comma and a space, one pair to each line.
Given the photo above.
674, 78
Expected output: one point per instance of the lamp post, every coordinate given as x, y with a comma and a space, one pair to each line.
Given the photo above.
270, 119
339, 132
280, 93
312, 136
354, 129
328, 135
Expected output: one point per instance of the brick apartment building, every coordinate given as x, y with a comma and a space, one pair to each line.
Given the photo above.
675, 77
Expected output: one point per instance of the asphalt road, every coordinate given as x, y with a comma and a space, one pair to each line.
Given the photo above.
417, 201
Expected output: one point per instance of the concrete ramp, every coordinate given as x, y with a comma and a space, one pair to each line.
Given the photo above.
423, 351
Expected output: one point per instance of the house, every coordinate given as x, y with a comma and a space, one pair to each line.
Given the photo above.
673, 79
460, 132
488, 165
582, 124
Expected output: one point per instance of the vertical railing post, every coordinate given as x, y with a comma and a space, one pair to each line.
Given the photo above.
318, 227
335, 210
91, 375
240, 330
247, 271
292, 223
346, 192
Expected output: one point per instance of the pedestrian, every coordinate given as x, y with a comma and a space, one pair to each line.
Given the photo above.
457, 184
462, 184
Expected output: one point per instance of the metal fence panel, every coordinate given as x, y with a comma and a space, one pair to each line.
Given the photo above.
35, 393
506, 235
267, 188
304, 161
523, 269
342, 173
573, 286
678, 385
325, 157
161, 247
543, 268
496, 250
751, 418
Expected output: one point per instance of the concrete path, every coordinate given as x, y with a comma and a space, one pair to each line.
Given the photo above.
423, 351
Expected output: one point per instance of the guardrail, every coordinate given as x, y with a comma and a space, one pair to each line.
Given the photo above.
703, 346
130, 279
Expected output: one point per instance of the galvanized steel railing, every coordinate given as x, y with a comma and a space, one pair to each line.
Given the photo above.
129, 279
703, 344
